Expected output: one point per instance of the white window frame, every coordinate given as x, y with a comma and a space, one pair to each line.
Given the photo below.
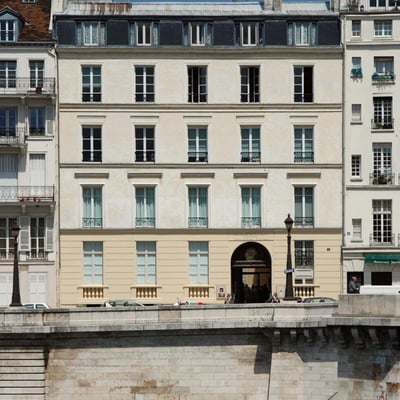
249, 34
93, 29
143, 31
197, 194
93, 73
253, 142
8, 31
93, 194
356, 224
95, 155
197, 139
356, 112
305, 31
90, 252
37, 238
249, 83
148, 219
251, 221
148, 152
144, 83
356, 166
197, 33
383, 28
356, 30
7, 252
382, 222
198, 251
146, 251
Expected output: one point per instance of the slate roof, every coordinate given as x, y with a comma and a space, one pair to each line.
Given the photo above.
36, 17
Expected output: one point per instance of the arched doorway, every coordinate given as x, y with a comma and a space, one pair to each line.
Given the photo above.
251, 273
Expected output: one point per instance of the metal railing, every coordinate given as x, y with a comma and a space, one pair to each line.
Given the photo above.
382, 123
92, 222
11, 86
26, 193
378, 77
381, 240
250, 156
356, 73
12, 136
303, 156
304, 258
251, 222
198, 222
145, 222
197, 156
305, 222
144, 156
377, 178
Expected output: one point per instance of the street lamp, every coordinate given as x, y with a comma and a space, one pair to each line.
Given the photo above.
289, 270
16, 296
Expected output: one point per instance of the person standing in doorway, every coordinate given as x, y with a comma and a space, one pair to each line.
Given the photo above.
354, 287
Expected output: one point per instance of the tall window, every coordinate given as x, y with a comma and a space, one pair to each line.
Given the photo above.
356, 67
248, 34
37, 121
250, 138
8, 121
146, 263
144, 84
38, 234
356, 166
249, 84
144, 140
383, 65
197, 145
145, 207
7, 30
304, 254
356, 112
91, 144
197, 84
304, 206
383, 28
36, 74
356, 28
93, 263
8, 74
143, 31
356, 224
382, 222
382, 113
6, 239
198, 207
92, 207
303, 84
382, 159
197, 33
302, 33
251, 207
198, 263
303, 145
91, 84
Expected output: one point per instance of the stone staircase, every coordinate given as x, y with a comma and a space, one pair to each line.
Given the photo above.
22, 370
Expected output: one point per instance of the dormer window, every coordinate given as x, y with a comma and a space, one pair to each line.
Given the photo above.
143, 33
29, 1
197, 34
91, 33
248, 34
302, 34
8, 30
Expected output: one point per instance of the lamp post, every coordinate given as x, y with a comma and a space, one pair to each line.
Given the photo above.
289, 271
16, 296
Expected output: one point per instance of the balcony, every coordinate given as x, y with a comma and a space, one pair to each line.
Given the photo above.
304, 222
27, 86
250, 156
26, 193
382, 78
145, 222
198, 222
12, 137
197, 156
146, 292
92, 222
303, 156
356, 73
251, 222
381, 240
377, 178
382, 123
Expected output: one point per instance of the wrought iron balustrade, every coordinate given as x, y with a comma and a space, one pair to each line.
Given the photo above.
198, 222
92, 222
382, 123
12, 136
144, 156
381, 239
197, 156
145, 222
383, 77
305, 222
303, 156
251, 222
304, 258
26, 193
384, 178
27, 86
250, 156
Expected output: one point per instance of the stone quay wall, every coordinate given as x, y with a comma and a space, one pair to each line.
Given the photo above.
237, 352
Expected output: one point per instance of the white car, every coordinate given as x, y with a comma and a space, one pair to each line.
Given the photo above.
35, 306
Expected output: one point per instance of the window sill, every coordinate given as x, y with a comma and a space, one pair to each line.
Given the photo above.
355, 122
356, 240
355, 179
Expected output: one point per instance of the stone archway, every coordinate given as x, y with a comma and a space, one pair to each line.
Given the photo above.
251, 273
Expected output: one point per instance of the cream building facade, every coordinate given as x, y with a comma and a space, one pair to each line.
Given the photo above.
371, 242
188, 132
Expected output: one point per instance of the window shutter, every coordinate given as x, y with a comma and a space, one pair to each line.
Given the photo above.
328, 33
171, 33
117, 32
50, 121
224, 33
24, 237
275, 33
66, 32
49, 233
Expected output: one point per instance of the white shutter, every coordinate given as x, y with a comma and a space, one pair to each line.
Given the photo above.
9, 169
49, 233
37, 169
50, 121
37, 287
6, 282
24, 236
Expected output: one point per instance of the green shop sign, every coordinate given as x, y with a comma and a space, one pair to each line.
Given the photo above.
382, 258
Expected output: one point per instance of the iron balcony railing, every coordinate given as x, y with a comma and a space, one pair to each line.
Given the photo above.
198, 222
356, 73
381, 239
145, 222
44, 86
378, 77
382, 123
305, 222
197, 156
250, 156
303, 156
26, 193
251, 222
92, 222
381, 178
144, 156
12, 136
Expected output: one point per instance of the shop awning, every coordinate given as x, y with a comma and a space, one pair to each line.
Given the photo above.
382, 258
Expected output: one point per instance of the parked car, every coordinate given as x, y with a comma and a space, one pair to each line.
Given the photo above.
319, 300
123, 303
35, 306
